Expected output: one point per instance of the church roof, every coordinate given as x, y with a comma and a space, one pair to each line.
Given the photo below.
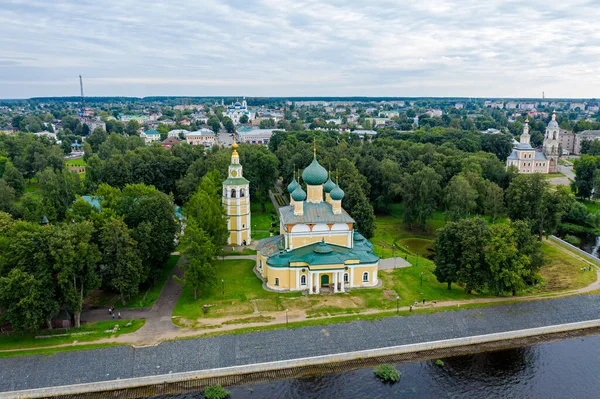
298, 194
329, 185
337, 193
313, 213
314, 174
539, 156
524, 147
235, 181
314, 254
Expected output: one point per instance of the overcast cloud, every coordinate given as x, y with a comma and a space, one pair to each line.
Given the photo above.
300, 48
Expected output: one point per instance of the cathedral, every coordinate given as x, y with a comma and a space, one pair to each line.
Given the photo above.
528, 160
318, 249
236, 201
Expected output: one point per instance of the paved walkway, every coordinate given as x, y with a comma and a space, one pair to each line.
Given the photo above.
393, 263
228, 350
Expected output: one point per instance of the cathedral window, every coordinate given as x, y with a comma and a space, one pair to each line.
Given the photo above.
233, 193
365, 277
276, 282
303, 279
346, 278
242, 193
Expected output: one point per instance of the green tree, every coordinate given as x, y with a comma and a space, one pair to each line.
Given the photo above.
506, 264
122, 266
132, 127
214, 123
529, 198
361, 210
14, 179
460, 198
7, 197
244, 119
75, 263
59, 189
420, 192
228, 125
493, 203
24, 298
267, 123
205, 208
261, 169
200, 252
587, 176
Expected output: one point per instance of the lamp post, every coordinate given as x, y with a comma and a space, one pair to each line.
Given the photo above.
394, 254
223, 287
286, 317
397, 304
421, 279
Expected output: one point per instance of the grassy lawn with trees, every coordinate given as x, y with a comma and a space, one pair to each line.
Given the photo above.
144, 298
261, 220
87, 332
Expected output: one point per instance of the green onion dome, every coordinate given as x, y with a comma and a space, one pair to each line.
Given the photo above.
337, 193
329, 185
298, 194
292, 186
314, 174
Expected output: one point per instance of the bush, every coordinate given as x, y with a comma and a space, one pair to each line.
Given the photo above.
215, 392
572, 240
387, 373
439, 363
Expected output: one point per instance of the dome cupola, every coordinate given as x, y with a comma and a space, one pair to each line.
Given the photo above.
314, 174
293, 185
329, 185
298, 194
337, 194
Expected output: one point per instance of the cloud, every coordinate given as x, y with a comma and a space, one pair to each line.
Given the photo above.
299, 47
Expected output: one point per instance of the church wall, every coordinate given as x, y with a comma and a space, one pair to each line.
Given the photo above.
286, 276
314, 194
358, 275
333, 238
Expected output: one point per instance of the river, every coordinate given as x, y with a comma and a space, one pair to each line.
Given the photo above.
563, 369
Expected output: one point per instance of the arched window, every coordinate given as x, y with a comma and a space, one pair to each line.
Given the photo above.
346, 278
260, 265
233, 193
365, 277
242, 193
303, 279
276, 282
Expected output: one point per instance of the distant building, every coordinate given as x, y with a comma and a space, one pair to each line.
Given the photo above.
525, 158
203, 137
236, 110
170, 142
434, 112
365, 134
46, 133
574, 106
551, 147
459, 105
150, 136
76, 148
256, 136
92, 123
586, 135
175, 133
566, 140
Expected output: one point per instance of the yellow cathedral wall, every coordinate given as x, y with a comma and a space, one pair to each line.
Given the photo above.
298, 242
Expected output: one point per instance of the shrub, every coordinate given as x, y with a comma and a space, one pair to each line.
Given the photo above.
439, 363
572, 240
387, 373
215, 392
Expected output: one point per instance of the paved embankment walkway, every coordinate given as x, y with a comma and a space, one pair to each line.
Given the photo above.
108, 364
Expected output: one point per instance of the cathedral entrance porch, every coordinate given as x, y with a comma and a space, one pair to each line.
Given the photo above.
326, 282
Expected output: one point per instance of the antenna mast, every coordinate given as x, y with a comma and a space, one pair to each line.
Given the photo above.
82, 98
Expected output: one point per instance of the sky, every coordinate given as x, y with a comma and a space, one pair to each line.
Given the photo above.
300, 48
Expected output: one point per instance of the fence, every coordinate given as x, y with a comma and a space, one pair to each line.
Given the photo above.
574, 248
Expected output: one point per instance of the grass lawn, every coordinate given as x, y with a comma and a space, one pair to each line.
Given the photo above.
87, 332
259, 235
245, 251
562, 271
240, 287
76, 162
146, 297
421, 246
261, 220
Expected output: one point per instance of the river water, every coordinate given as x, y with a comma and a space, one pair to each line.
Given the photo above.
563, 369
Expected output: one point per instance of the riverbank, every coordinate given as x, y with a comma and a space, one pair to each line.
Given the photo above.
117, 363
